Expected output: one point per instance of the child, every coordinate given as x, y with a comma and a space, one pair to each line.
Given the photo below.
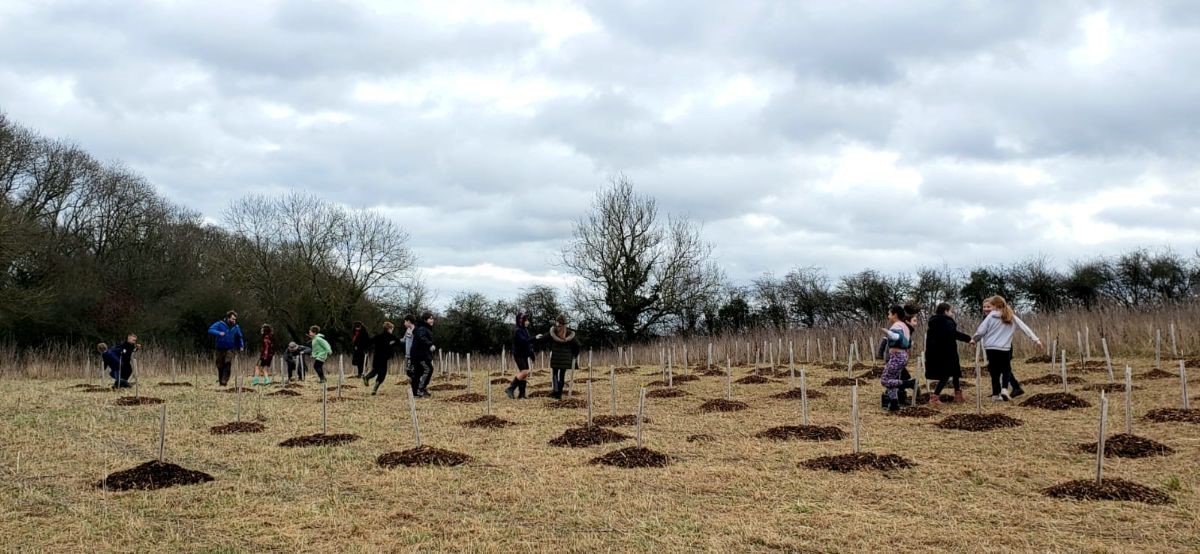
522, 350
119, 360
941, 352
410, 323
263, 369
293, 355
360, 342
421, 354
563, 349
320, 351
899, 341
383, 345
996, 333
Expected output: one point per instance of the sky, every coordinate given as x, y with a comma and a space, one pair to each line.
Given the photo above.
839, 135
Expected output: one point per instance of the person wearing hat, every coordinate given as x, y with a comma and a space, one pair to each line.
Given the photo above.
522, 350
563, 349
294, 357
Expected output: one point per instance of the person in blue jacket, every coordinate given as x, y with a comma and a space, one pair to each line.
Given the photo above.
119, 360
228, 338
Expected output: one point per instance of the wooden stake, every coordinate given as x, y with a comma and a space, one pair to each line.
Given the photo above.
1079, 338
978, 381
728, 379
803, 396
708, 363
324, 409
1054, 353
172, 370
488, 386
1064, 371
1174, 345
1107, 359
670, 369
1158, 349
641, 412
791, 366
854, 417
612, 382
1128, 400
412, 408
1183, 384
469, 372
237, 382
162, 432
1087, 344
1100, 442
589, 404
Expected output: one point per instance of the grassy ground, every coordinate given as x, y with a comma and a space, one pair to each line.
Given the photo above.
969, 491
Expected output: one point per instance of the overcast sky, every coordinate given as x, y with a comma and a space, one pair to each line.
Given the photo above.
842, 135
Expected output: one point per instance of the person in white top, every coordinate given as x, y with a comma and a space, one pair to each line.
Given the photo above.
995, 333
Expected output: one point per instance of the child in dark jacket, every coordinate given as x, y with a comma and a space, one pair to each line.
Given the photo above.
522, 350
563, 349
119, 360
382, 347
360, 343
294, 357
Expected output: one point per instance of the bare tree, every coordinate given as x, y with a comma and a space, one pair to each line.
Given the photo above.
634, 267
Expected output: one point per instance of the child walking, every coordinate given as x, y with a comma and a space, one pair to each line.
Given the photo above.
995, 333
941, 352
899, 341
522, 350
262, 370
382, 347
320, 351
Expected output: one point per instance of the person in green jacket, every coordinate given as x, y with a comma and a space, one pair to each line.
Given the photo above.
320, 351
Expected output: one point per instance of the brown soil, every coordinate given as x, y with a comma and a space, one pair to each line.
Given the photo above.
701, 438
422, 456
624, 370
1108, 387
917, 411
872, 374
488, 422
1054, 379
722, 405
153, 475
137, 400
1158, 374
923, 398
754, 380
1194, 362
540, 386
1056, 401
567, 404
538, 394
618, 421
794, 394
666, 393
846, 463
92, 388
711, 372
978, 422
447, 386
840, 382
238, 427
502, 381
1166, 415
320, 439
284, 392
1043, 359
1129, 446
335, 399
176, 384
293, 386
803, 432
233, 390
580, 437
633, 457
1108, 489
470, 398
656, 383
685, 378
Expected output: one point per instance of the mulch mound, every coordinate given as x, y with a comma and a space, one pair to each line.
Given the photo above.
1092, 366
469, 398
978, 422
711, 372
284, 392
320, 439
872, 374
754, 380
794, 394
448, 386
488, 422
840, 382
665, 393
803, 432
1129, 446
618, 421
1108, 387
624, 370
722, 405
293, 386
538, 394
923, 398
422, 456
580, 437
92, 388
176, 384
1056, 401
138, 400
685, 378
655, 383
501, 380
1158, 374
153, 475
238, 427
568, 404
701, 438
233, 390
1167, 415
1194, 362
1043, 359
633, 457
917, 411
1054, 379
1108, 489
846, 463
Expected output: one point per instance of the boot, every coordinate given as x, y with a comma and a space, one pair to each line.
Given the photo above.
521, 390
893, 405
902, 396
375, 390
935, 398
512, 387
958, 397
883, 401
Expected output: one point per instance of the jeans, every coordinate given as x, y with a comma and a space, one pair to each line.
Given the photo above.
1000, 370
419, 376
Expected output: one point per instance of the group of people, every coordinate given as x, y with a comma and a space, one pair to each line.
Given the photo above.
994, 335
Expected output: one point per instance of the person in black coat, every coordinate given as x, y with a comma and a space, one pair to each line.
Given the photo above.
564, 348
522, 350
382, 347
119, 360
422, 356
360, 343
941, 352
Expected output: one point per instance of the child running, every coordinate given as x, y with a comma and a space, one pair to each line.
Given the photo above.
262, 370
383, 345
320, 351
899, 341
995, 333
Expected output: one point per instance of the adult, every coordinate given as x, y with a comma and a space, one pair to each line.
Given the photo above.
119, 360
564, 347
360, 344
228, 338
941, 352
422, 356
522, 350
382, 347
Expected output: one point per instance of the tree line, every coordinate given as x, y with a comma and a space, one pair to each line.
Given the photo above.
89, 251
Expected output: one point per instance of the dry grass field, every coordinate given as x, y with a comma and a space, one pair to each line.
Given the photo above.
968, 492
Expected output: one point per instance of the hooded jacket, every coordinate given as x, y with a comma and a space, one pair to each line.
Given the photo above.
562, 351
422, 343
320, 348
522, 345
232, 340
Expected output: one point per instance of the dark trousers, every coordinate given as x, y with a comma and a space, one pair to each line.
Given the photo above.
1000, 370
419, 376
224, 361
357, 359
558, 379
379, 369
319, 367
944, 381
120, 376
